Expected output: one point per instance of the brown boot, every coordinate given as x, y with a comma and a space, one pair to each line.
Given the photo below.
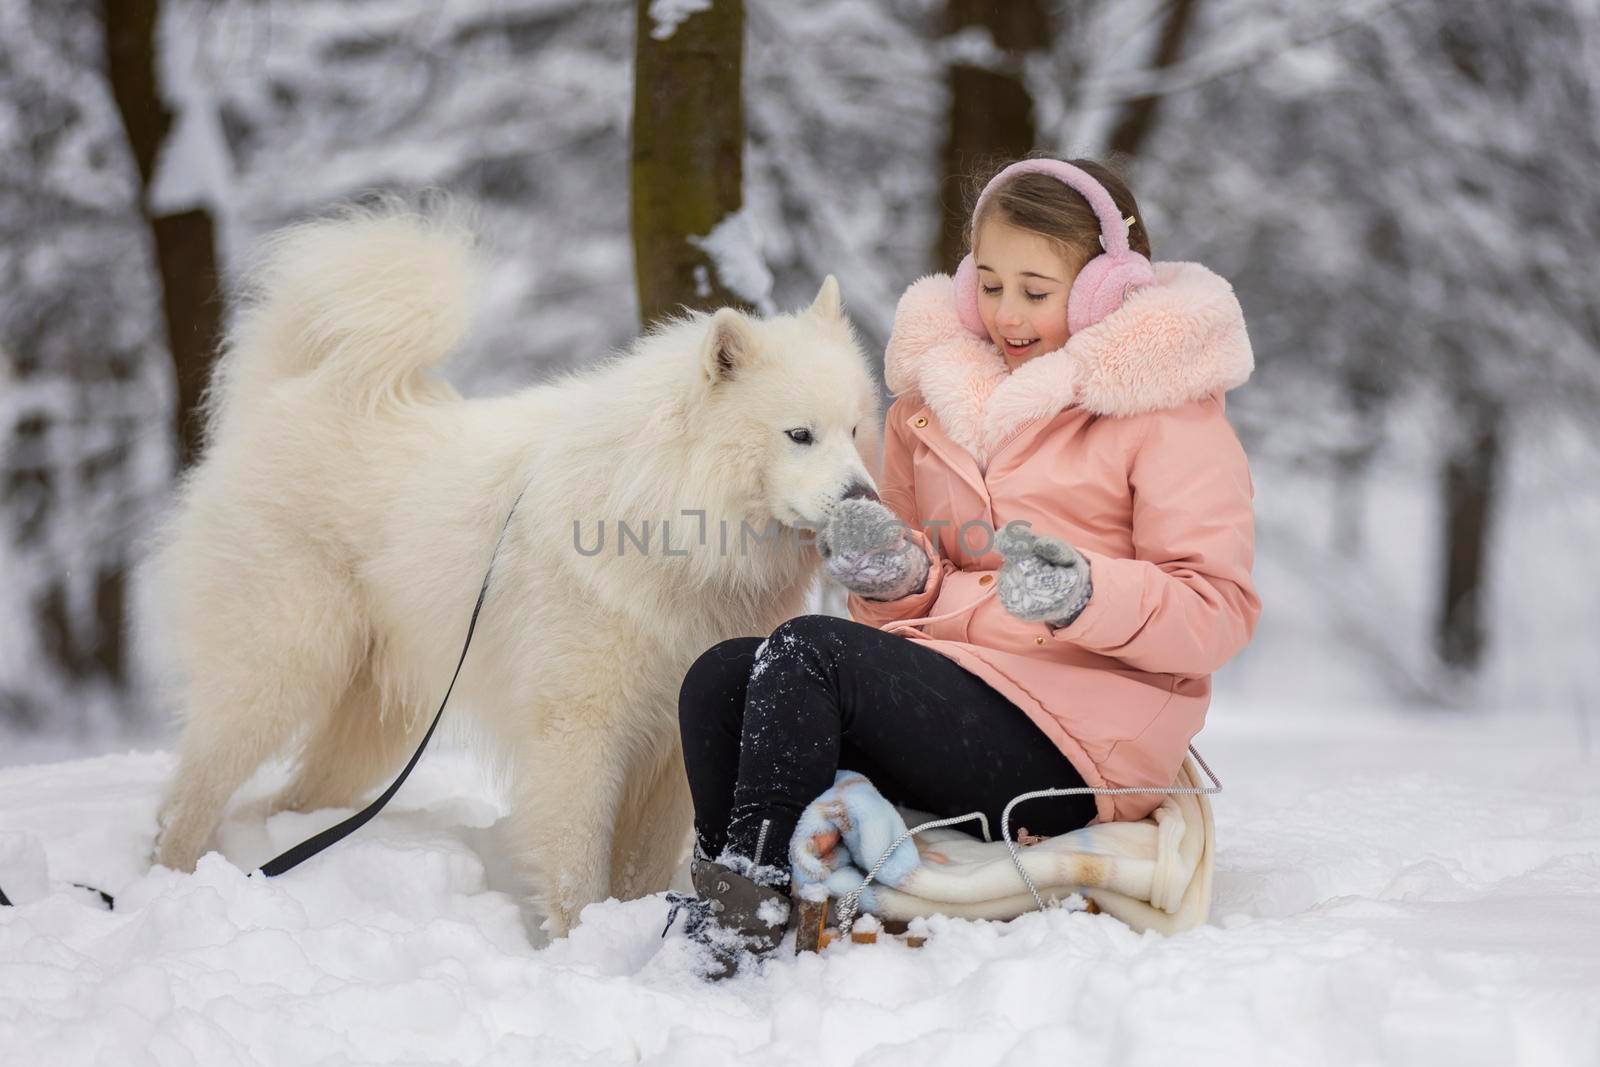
737, 917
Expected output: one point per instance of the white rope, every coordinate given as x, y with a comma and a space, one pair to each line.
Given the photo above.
1005, 816
849, 903
851, 900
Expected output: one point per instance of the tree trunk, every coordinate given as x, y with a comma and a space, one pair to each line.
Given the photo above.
185, 243
687, 159
1366, 388
1139, 113
1471, 477
991, 111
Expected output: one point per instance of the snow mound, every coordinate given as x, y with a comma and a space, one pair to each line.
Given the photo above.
1390, 890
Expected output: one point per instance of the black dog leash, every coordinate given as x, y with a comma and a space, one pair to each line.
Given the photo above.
297, 855
314, 844
106, 898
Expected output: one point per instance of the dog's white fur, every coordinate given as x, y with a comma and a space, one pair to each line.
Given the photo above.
323, 564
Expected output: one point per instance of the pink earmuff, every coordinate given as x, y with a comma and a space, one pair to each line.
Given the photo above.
1103, 283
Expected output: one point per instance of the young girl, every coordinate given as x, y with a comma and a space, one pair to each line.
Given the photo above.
1060, 559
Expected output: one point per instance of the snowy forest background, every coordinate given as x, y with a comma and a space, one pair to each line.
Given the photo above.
1403, 192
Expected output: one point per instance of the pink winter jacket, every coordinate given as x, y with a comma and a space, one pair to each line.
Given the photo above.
1116, 443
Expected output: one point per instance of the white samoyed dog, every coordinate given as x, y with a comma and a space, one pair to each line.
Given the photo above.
320, 570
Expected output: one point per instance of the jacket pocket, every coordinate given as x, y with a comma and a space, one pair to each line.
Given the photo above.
1136, 725
1152, 756
992, 626
959, 594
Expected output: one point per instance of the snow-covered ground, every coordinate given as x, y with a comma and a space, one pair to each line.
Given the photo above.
1408, 889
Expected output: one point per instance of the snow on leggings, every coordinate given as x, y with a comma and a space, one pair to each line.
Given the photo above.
766, 724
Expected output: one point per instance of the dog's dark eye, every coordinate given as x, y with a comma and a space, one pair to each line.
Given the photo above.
852, 433
801, 436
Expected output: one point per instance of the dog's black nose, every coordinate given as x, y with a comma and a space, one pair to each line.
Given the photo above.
861, 489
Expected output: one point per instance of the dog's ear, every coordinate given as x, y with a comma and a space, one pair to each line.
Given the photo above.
828, 304
729, 347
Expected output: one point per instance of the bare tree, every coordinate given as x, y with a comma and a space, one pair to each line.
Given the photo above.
1470, 477
992, 114
687, 159
185, 243
1139, 113
1434, 203
84, 377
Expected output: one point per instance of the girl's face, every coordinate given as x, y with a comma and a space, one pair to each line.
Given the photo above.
1023, 282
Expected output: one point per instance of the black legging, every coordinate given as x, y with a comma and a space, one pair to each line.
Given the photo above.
764, 734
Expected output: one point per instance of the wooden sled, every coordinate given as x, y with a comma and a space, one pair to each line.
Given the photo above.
814, 929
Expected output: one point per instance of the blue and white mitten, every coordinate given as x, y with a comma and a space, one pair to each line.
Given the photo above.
1043, 579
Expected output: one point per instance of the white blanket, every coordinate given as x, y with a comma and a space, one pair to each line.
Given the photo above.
1154, 874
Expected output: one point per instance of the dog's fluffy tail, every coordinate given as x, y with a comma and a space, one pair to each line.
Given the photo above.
365, 302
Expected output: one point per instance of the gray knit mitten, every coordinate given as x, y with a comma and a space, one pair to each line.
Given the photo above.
1043, 579
865, 549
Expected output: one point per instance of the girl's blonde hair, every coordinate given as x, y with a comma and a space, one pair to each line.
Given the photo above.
1046, 206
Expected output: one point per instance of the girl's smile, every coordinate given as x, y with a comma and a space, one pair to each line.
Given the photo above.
1023, 282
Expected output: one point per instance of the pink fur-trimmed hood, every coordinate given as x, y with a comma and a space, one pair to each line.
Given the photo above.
1171, 343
